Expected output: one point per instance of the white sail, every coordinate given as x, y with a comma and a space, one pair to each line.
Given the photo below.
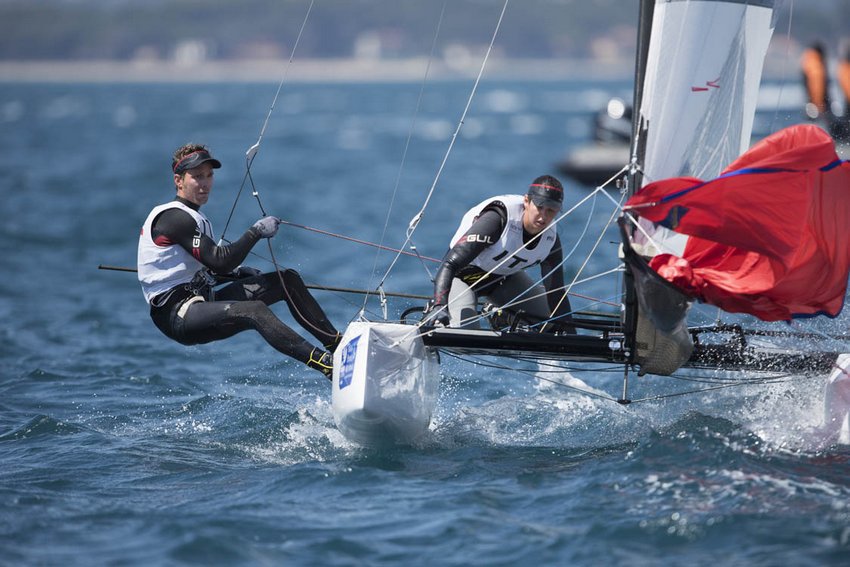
702, 79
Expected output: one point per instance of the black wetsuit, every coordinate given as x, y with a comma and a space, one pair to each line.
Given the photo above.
486, 230
239, 305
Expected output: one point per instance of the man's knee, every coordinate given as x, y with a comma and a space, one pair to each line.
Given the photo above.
254, 309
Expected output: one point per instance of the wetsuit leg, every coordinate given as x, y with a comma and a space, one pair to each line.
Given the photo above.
517, 290
303, 306
207, 321
307, 310
462, 305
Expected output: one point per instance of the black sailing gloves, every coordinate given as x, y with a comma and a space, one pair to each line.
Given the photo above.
436, 315
267, 227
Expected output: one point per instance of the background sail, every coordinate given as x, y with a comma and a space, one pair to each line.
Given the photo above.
769, 236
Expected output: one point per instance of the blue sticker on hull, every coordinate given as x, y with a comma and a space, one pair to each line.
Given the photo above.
349, 354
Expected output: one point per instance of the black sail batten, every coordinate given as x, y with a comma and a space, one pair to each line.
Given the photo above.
661, 343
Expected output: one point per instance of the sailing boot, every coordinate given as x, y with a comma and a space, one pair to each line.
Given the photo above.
323, 362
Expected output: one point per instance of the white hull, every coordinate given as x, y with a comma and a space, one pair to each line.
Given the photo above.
385, 384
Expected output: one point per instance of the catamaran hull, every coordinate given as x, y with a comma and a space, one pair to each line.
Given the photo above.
385, 384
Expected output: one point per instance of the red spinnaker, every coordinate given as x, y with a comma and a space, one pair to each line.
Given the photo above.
769, 237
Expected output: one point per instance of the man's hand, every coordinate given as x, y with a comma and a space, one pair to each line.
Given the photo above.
436, 315
267, 226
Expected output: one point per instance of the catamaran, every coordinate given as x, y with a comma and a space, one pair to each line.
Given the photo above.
702, 218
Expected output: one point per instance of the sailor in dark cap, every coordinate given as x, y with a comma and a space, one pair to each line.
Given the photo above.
496, 241
181, 268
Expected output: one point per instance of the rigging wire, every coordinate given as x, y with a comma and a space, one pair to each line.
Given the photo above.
713, 383
414, 222
840, 342
252, 151
404, 154
532, 374
614, 214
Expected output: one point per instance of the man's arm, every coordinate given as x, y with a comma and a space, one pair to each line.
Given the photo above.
485, 231
175, 226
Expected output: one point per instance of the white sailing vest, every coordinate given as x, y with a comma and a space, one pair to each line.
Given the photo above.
163, 267
497, 257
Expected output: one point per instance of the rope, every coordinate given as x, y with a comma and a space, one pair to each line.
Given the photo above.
358, 241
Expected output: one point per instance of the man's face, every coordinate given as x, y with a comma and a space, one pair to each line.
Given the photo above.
535, 219
195, 184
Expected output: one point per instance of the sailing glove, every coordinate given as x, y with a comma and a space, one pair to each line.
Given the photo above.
436, 315
267, 226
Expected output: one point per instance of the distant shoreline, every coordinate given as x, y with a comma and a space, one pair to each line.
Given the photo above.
315, 70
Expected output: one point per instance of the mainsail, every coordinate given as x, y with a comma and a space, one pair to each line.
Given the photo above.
701, 86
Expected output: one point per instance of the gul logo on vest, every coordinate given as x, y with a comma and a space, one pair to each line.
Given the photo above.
478, 238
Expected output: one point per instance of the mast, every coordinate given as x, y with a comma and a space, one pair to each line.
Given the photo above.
638, 145
697, 70
634, 177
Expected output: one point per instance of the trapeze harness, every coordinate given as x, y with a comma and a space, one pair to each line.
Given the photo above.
180, 266
488, 233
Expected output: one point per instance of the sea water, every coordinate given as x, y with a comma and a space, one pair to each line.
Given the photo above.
120, 447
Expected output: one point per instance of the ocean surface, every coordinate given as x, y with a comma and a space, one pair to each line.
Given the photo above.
120, 447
